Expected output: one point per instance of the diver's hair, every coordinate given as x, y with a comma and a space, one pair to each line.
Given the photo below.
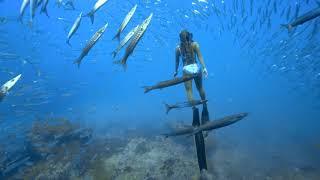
186, 44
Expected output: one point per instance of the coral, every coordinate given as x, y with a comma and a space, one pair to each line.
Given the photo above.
156, 158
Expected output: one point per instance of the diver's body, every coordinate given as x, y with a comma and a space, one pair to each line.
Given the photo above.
189, 50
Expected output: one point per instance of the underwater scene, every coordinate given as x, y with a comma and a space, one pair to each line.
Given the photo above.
159, 89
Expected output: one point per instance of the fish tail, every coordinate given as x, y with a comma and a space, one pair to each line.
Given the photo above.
71, 5
121, 62
288, 26
68, 42
91, 16
146, 89
114, 54
117, 36
165, 135
45, 11
168, 108
20, 19
78, 62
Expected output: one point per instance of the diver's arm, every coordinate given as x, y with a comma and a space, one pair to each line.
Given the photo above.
177, 61
200, 57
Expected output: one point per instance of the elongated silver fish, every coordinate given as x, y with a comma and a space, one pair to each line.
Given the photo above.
125, 22
209, 126
303, 18
7, 86
95, 8
136, 38
169, 83
184, 104
74, 28
94, 39
23, 8
124, 41
44, 7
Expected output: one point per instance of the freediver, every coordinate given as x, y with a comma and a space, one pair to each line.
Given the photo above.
189, 51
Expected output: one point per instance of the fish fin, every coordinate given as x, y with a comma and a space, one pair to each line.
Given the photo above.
288, 26
91, 16
78, 62
168, 108
146, 89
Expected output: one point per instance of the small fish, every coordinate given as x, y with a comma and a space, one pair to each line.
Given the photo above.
95, 8
23, 8
136, 38
184, 104
125, 22
124, 41
94, 39
74, 28
44, 7
169, 83
303, 18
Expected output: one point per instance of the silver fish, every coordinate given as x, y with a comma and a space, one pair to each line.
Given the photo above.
136, 38
95, 8
169, 83
90, 44
7, 86
209, 126
124, 41
184, 104
125, 22
74, 27
303, 18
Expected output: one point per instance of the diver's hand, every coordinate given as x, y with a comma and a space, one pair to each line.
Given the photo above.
175, 74
205, 72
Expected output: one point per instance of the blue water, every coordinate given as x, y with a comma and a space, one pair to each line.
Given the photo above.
277, 84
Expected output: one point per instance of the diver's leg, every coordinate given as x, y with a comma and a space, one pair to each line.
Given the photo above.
188, 86
205, 112
198, 82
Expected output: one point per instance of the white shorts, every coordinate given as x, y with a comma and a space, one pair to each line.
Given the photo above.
191, 69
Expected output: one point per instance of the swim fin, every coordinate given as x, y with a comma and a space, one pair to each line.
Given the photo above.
205, 114
200, 145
